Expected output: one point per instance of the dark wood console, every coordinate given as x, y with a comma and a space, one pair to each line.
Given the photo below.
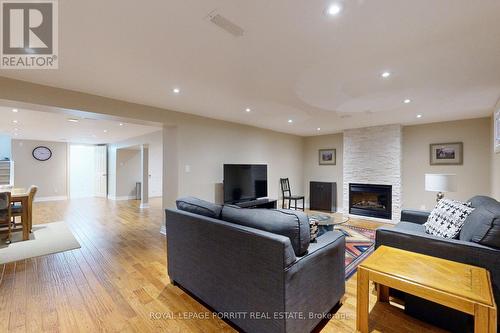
323, 196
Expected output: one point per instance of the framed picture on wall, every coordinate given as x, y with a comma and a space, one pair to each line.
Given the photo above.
496, 121
327, 156
447, 153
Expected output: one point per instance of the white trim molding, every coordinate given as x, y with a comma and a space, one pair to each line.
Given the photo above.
122, 198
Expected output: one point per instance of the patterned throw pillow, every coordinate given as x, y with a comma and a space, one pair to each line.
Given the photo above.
314, 226
447, 218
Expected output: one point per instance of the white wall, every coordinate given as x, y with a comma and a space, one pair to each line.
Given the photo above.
5, 147
204, 146
473, 177
128, 172
50, 176
323, 173
154, 141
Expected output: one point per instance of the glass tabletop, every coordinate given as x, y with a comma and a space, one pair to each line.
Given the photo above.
329, 219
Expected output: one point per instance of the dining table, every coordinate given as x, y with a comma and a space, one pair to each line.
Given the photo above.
21, 195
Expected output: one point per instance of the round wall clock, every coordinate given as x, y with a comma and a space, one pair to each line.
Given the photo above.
42, 153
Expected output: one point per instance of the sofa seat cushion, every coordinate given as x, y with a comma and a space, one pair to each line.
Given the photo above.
410, 227
200, 207
483, 226
447, 219
289, 223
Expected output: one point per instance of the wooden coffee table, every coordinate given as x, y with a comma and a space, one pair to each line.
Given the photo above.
462, 287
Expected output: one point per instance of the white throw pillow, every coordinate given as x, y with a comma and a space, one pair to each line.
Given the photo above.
447, 219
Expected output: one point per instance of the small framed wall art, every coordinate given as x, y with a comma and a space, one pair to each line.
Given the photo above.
327, 156
447, 153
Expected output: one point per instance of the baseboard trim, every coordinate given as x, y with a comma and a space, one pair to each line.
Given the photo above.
55, 198
163, 230
130, 197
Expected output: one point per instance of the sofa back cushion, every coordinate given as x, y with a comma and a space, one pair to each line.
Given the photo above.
481, 200
483, 225
200, 207
292, 224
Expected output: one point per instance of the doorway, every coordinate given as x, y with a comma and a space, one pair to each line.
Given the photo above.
87, 171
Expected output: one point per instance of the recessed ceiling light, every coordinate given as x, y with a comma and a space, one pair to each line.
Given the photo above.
419, 116
121, 124
385, 75
14, 121
407, 101
290, 121
105, 131
334, 9
72, 120
14, 110
176, 90
248, 109
318, 129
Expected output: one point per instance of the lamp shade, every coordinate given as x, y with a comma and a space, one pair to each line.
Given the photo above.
440, 182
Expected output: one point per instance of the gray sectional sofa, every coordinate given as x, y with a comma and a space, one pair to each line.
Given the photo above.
255, 267
478, 244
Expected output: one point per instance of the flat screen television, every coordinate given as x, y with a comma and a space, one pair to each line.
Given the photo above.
243, 182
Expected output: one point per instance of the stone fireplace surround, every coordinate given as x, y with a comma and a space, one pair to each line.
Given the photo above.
373, 155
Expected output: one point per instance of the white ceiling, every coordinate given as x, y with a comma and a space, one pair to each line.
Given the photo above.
50, 126
292, 62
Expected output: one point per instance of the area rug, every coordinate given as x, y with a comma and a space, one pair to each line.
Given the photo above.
45, 239
360, 243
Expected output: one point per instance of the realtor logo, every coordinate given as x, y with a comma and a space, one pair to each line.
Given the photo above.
29, 34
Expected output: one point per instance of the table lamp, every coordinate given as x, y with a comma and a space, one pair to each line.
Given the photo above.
440, 183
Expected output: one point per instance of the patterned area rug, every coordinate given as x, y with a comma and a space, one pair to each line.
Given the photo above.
360, 243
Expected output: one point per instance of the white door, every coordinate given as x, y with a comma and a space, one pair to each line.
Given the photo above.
101, 169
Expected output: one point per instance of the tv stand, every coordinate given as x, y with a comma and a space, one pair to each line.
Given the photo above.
259, 203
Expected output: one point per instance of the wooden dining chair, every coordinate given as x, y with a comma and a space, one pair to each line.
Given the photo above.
17, 209
287, 195
5, 214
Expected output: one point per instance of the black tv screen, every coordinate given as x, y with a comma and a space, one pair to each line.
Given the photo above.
244, 182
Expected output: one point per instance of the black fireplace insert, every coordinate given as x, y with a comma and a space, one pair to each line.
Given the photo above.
371, 200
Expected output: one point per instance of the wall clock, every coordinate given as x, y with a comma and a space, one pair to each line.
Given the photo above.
42, 153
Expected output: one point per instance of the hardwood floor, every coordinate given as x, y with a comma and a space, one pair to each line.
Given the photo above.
117, 281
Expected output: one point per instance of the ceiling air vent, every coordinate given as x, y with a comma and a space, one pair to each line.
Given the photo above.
225, 24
